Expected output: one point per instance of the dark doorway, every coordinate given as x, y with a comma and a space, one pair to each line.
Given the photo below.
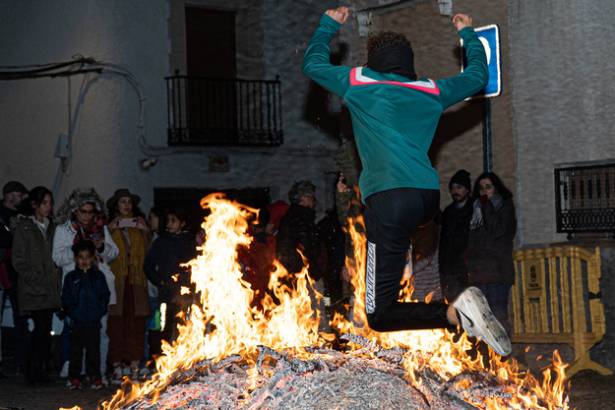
210, 42
211, 57
189, 200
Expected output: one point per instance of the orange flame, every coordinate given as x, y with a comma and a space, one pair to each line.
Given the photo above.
446, 357
224, 323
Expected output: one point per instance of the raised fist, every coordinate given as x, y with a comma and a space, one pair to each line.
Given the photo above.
339, 14
461, 21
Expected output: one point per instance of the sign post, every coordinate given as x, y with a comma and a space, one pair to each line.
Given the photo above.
489, 36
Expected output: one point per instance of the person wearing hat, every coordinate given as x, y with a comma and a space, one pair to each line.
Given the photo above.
394, 119
13, 194
298, 231
128, 316
82, 217
455, 222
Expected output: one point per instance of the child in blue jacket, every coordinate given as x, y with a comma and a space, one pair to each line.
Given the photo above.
85, 296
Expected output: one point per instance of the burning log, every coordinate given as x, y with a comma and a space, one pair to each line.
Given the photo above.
324, 379
230, 355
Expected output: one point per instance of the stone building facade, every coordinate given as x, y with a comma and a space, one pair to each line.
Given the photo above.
555, 106
147, 38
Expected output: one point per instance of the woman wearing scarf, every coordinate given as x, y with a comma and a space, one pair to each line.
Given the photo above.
489, 255
39, 280
128, 316
82, 217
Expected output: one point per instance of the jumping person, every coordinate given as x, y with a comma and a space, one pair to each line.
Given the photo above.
394, 117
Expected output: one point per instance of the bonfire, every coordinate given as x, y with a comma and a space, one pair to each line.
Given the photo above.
232, 355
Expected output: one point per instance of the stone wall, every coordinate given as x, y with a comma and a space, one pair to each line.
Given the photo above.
145, 37
248, 34
561, 63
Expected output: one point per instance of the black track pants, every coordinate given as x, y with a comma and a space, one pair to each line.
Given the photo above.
391, 217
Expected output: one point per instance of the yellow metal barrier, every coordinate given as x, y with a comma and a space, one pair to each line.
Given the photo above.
556, 299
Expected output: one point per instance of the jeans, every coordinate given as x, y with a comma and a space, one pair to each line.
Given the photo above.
391, 217
40, 345
20, 326
152, 330
84, 338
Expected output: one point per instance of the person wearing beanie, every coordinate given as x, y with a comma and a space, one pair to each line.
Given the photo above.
395, 115
455, 222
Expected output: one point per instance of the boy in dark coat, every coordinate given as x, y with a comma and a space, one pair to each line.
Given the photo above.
85, 297
162, 263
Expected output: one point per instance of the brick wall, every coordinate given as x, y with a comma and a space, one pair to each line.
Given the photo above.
458, 142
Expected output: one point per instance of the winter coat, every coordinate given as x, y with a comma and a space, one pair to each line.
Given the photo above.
85, 296
38, 279
331, 242
64, 258
8, 276
128, 270
6, 237
163, 261
298, 230
257, 264
454, 238
489, 256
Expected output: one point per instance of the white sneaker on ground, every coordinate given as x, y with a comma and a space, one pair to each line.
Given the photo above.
64, 371
478, 320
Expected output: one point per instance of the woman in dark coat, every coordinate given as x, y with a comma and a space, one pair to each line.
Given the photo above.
39, 280
489, 255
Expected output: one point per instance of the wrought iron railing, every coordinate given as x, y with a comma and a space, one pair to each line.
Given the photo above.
585, 197
214, 111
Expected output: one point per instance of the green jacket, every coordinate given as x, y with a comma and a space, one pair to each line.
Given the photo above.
39, 281
394, 119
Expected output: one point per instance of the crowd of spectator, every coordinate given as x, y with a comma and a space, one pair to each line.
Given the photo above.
107, 278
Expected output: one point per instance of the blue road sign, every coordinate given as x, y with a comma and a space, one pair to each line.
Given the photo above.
490, 37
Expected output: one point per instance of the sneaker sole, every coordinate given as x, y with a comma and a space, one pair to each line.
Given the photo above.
475, 307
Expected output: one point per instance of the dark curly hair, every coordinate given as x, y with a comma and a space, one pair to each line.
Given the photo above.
499, 186
384, 39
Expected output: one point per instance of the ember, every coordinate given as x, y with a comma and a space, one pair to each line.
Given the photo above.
231, 355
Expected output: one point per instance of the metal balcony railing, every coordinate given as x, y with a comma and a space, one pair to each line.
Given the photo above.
585, 197
214, 111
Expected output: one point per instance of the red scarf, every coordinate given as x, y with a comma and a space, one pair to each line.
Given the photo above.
95, 230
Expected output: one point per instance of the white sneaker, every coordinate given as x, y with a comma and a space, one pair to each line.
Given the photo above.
478, 320
64, 371
116, 377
